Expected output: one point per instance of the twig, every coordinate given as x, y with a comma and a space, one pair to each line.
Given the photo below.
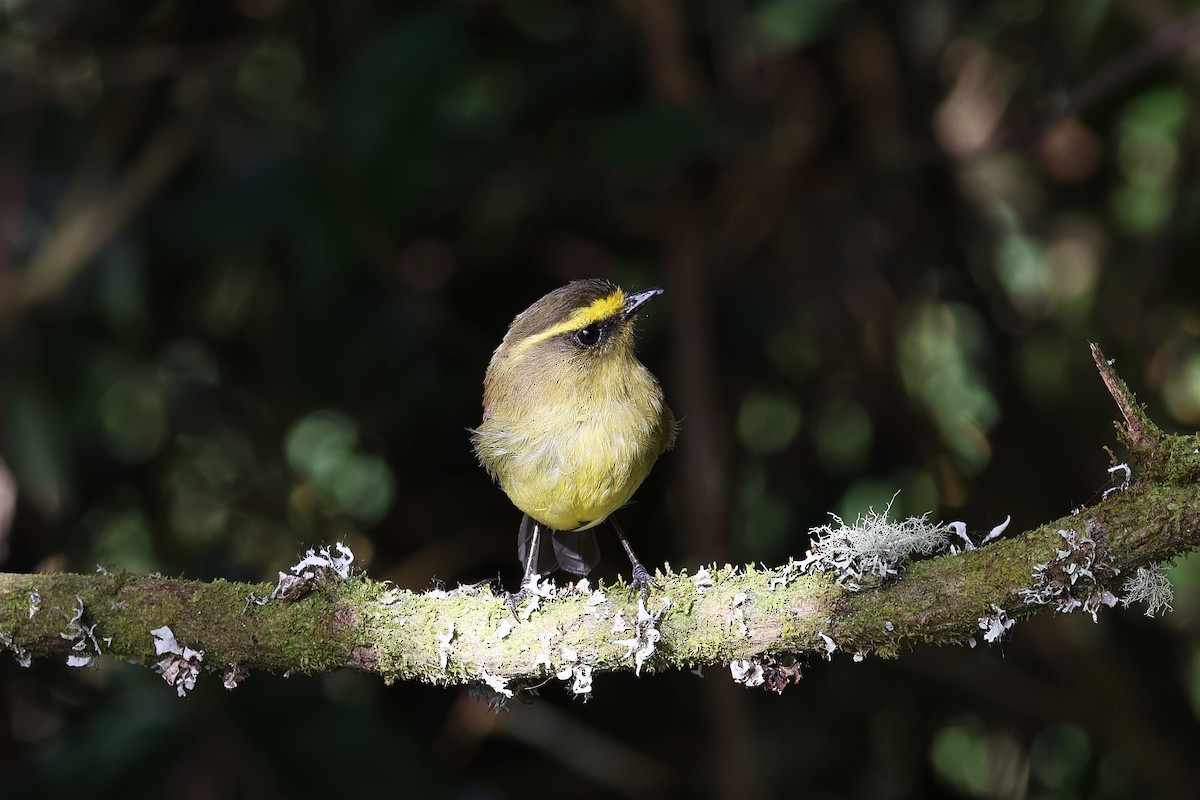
1165, 42
69, 247
1140, 431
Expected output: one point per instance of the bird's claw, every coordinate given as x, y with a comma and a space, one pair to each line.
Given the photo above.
641, 582
514, 599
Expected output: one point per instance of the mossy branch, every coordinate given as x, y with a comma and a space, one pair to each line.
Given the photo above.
321, 622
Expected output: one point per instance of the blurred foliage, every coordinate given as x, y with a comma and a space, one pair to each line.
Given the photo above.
254, 257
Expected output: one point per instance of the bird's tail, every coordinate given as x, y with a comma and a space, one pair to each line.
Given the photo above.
576, 552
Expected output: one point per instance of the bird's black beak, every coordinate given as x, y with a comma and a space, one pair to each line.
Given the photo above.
634, 302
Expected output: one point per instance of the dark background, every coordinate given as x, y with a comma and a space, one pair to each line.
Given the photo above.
254, 257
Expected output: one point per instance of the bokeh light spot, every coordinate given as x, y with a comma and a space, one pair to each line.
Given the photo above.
1148, 156
270, 76
937, 351
323, 448
767, 423
133, 419
959, 755
1181, 389
782, 25
1059, 755
121, 539
844, 433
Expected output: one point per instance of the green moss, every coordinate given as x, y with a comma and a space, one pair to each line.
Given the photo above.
938, 600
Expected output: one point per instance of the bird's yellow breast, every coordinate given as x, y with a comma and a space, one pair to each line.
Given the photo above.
570, 450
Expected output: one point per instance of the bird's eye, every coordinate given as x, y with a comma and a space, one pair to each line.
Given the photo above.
588, 335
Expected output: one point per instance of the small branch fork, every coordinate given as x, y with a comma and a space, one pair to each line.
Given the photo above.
1139, 430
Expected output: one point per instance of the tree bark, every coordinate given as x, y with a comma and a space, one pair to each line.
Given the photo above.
757, 618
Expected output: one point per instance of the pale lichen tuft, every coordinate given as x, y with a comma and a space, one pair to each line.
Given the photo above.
871, 549
1151, 586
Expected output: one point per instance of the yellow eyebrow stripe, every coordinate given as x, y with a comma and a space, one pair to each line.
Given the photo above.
595, 311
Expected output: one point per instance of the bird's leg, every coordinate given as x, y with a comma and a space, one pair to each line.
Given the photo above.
533, 549
641, 578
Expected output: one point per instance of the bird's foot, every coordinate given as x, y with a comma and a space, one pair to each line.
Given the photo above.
514, 599
641, 582
529, 588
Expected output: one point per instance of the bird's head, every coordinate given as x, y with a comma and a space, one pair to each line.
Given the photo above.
573, 333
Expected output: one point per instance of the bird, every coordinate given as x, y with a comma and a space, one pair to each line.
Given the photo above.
572, 424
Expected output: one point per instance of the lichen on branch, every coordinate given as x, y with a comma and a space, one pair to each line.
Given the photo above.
868, 588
